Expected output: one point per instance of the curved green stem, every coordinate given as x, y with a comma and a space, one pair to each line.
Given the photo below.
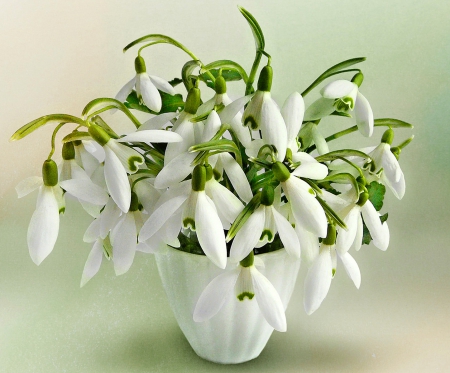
251, 78
55, 131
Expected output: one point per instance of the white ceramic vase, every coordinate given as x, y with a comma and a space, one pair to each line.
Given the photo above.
239, 332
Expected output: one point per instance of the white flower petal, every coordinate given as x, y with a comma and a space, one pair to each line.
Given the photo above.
237, 177
85, 190
151, 136
147, 194
380, 234
117, 180
338, 89
189, 208
186, 130
175, 171
318, 280
210, 233
292, 112
306, 209
351, 267
364, 115
225, 201
126, 90
248, 236
28, 185
206, 106
124, 242
149, 93
273, 128
398, 187
214, 296
162, 85
212, 125
346, 238
129, 158
309, 244
231, 110
311, 170
109, 217
93, 262
269, 301
391, 167
320, 108
93, 231
158, 121
287, 234
86, 159
44, 225
357, 243
159, 216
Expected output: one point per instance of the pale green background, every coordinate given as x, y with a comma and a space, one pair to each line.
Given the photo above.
57, 55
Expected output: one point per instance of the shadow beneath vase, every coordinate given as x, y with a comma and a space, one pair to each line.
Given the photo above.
165, 349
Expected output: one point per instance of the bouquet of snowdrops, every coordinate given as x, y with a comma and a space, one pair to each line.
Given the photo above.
229, 179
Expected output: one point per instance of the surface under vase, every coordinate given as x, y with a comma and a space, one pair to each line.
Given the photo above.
238, 332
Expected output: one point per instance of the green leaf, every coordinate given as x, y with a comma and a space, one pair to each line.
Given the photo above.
228, 75
46, 119
393, 123
230, 69
376, 194
366, 234
331, 156
243, 216
305, 135
336, 69
169, 103
77, 135
342, 178
330, 213
100, 105
175, 81
256, 29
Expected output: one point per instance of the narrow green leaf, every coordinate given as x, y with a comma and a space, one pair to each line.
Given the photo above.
46, 119
256, 29
214, 145
99, 105
331, 156
376, 194
393, 123
230, 68
333, 71
77, 135
330, 213
342, 178
243, 216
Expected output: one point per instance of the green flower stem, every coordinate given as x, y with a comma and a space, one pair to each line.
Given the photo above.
335, 136
251, 78
55, 131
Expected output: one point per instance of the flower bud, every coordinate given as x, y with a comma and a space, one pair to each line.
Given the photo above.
98, 134
192, 101
280, 172
267, 195
330, 239
220, 85
358, 79
363, 197
68, 151
198, 178
50, 173
265, 79
388, 136
139, 65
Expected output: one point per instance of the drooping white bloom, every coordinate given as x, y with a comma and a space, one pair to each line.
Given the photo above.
305, 207
292, 112
248, 282
146, 87
343, 96
198, 213
121, 160
321, 272
44, 224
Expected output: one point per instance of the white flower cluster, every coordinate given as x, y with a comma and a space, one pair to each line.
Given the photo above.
225, 181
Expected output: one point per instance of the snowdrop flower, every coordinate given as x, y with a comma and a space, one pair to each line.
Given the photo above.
198, 213
323, 269
44, 224
352, 237
75, 181
263, 113
247, 282
305, 207
233, 119
387, 169
264, 222
120, 159
344, 96
146, 87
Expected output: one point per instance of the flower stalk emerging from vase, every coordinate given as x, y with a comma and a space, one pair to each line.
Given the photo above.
222, 178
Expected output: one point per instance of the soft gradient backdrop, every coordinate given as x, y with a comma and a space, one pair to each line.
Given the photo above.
58, 55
